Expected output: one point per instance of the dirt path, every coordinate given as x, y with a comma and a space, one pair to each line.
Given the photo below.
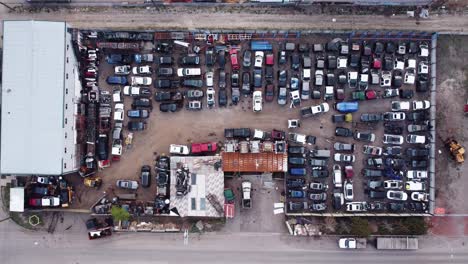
218, 19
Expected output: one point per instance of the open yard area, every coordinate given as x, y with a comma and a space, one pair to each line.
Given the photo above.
304, 72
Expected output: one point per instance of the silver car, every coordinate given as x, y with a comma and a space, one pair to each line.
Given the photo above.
127, 184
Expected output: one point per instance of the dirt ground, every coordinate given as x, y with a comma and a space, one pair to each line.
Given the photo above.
452, 85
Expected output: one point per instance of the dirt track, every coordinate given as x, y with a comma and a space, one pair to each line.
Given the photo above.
214, 18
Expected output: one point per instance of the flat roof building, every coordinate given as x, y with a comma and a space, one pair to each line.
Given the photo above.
38, 99
254, 162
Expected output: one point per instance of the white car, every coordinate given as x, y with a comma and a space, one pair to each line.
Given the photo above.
400, 106
146, 69
295, 98
398, 64
337, 176
421, 105
420, 196
131, 90
258, 59
210, 97
415, 186
386, 79
340, 157
352, 79
411, 64
122, 70
119, 112
393, 184
342, 62
416, 139
321, 108
416, 174
117, 96
423, 67
397, 195
50, 201
393, 139
188, 72
294, 123
43, 180
423, 50
319, 77
209, 79
356, 206
257, 101
394, 116
348, 191
410, 77
137, 80
179, 149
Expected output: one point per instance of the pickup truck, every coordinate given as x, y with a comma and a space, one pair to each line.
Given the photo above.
352, 243
140, 58
306, 111
208, 147
298, 138
246, 195
237, 132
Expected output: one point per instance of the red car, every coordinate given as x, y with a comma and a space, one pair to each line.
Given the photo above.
269, 92
199, 148
278, 134
234, 59
377, 63
35, 202
349, 172
270, 59
371, 95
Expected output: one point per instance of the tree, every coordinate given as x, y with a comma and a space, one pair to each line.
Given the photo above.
415, 225
119, 214
360, 227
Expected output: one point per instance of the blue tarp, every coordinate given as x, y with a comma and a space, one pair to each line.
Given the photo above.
260, 45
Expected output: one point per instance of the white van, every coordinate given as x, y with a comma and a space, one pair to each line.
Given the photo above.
337, 176
188, 72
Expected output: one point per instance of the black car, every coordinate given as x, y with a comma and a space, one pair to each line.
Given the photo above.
387, 63
365, 64
393, 129
394, 162
377, 195
145, 176
354, 60
296, 206
406, 94
165, 72
163, 84
222, 97
190, 60
222, 79
338, 118
418, 164
417, 116
295, 183
269, 73
319, 173
331, 80
168, 107
396, 207
343, 132
422, 86
136, 125
331, 62
295, 61
296, 161
371, 117
390, 47
376, 206
142, 102
222, 59
296, 150
235, 79
102, 147
195, 83
417, 152
247, 60
392, 151
166, 96
246, 83
209, 57
164, 60
415, 206
258, 78
282, 78
378, 48
397, 81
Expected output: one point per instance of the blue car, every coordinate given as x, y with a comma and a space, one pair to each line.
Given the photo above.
347, 107
297, 194
297, 171
122, 80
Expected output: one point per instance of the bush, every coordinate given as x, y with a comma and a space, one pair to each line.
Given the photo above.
415, 225
119, 214
360, 227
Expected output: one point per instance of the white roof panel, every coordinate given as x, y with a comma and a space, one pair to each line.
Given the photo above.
32, 140
17, 199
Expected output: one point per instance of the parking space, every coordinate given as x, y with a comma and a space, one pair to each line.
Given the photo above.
351, 70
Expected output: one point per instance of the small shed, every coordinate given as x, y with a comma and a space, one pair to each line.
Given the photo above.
17, 199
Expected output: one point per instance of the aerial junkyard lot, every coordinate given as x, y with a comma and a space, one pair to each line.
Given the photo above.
388, 78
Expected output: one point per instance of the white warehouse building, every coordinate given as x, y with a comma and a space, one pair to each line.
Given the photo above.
39, 96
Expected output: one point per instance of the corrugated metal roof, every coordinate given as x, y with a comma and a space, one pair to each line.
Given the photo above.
17, 199
254, 162
32, 140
